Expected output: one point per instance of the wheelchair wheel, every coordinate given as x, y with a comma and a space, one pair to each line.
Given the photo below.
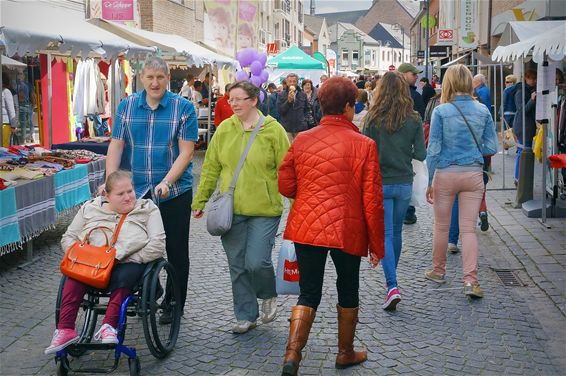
160, 293
85, 322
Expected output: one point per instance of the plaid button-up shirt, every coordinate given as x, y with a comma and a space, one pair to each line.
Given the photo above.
152, 139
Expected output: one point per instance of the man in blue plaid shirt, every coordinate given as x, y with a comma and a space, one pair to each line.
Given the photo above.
155, 132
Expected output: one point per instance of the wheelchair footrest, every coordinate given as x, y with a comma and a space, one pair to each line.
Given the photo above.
96, 346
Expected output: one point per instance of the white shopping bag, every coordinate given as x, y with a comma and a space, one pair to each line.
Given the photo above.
287, 279
420, 184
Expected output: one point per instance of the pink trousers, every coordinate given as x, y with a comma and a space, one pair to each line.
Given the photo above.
470, 189
73, 293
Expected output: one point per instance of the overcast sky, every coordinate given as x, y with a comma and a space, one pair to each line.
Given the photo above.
330, 6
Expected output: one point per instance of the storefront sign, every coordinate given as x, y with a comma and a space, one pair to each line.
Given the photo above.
420, 54
272, 49
439, 51
469, 24
445, 37
118, 10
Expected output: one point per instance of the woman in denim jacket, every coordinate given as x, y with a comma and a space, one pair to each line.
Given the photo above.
455, 164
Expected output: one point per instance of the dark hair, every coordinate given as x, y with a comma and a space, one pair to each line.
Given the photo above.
5, 79
197, 84
531, 74
190, 77
362, 96
362, 77
307, 81
335, 93
424, 79
251, 90
227, 88
559, 76
271, 85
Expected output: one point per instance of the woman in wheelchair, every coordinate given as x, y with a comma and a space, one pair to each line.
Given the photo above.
140, 241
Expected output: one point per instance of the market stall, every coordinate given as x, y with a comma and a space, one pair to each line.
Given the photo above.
36, 194
294, 60
545, 44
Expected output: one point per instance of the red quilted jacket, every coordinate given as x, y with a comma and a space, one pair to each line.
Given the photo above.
332, 172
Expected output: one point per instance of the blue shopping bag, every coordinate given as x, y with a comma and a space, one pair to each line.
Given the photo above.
287, 279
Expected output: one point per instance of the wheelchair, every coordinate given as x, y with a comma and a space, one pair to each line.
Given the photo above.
156, 290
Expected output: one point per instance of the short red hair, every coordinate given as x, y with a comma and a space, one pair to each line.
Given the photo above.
335, 93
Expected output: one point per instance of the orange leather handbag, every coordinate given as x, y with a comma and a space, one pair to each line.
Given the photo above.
89, 264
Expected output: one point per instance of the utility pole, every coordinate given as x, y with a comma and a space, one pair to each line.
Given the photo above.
312, 8
427, 35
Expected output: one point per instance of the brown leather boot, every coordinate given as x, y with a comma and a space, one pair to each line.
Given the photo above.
301, 322
347, 321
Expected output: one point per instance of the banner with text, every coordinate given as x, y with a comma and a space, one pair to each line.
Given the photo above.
468, 35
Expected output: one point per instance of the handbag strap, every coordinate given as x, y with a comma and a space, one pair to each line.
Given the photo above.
469, 128
115, 237
245, 153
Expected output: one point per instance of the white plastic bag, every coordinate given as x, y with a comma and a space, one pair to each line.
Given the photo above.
287, 279
420, 184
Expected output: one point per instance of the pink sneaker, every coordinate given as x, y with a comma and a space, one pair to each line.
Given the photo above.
393, 297
61, 339
106, 334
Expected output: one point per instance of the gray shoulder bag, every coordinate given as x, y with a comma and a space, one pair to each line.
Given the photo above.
221, 205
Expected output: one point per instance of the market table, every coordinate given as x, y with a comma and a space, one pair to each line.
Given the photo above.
96, 147
31, 207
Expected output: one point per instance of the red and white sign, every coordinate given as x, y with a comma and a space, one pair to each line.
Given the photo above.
291, 271
272, 48
445, 37
118, 10
391, 68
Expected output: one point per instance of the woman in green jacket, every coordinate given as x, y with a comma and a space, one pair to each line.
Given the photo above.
257, 203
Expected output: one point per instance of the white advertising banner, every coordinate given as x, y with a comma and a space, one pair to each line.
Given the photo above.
468, 35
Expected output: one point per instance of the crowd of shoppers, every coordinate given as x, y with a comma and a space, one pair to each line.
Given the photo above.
342, 152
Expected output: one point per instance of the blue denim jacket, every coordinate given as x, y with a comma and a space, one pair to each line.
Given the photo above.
450, 141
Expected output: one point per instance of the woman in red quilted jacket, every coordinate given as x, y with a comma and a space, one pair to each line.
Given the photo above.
332, 173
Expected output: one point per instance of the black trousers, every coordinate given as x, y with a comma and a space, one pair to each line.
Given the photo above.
312, 261
176, 216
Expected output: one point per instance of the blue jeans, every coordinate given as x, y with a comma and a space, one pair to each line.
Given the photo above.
528, 144
396, 198
454, 231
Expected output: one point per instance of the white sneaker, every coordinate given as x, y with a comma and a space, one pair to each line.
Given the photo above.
243, 326
269, 310
106, 334
453, 248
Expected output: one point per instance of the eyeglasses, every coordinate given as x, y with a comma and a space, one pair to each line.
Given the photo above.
237, 100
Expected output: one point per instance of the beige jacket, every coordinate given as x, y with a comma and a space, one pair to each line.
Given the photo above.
141, 239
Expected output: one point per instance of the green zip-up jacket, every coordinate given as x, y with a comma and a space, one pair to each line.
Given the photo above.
256, 192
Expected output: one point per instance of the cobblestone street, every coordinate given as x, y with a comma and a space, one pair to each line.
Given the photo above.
435, 331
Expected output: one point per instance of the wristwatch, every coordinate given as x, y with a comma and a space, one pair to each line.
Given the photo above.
166, 182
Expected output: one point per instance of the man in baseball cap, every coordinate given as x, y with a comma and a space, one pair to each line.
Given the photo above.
410, 73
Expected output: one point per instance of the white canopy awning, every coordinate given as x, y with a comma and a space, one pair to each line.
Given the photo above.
9, 62
458, 60
29, 27
169, 44
541, 37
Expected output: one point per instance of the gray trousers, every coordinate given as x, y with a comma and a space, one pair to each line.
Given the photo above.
248, 246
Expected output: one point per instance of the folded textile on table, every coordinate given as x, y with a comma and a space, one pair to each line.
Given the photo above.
35, 207
44, 164
10, 237
67, 163
71, 188
76, 154
21, 173
96, 174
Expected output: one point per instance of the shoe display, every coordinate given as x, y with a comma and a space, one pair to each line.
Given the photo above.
430, 274
243, 326
269, 310
61, 339
453, 248
484, 224
473, 290
392, 299
106, 334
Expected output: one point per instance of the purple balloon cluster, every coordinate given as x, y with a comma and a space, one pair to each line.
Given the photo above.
249, 57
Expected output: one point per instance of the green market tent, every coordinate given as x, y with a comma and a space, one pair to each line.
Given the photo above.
294, 60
